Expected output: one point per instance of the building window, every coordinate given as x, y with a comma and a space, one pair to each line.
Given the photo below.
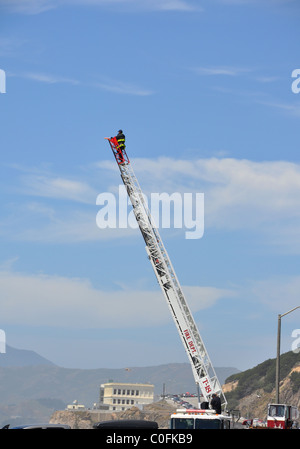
115, 391
137, 392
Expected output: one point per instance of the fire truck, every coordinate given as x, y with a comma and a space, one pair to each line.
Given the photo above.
188, 419
281, 416
204, 374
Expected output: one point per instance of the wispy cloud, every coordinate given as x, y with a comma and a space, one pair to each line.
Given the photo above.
177, 5
260, 197
272, 291
220, 70
109, 85
120, 87
49, 79
10, 45
289, 108
41, 6
42, 182
255, 95
28, 6
138, 5
58, 188
58, 301
257, 2
267, 79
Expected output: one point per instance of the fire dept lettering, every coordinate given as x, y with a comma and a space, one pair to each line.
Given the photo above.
189, 341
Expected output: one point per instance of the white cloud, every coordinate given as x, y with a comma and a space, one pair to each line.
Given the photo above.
40, 6
280, 294
261, 197
222, 70
69, 227
120, 87
28, 6
49, 79
10, 45
177, 5
115, 86
267, 79
250, 194
159, 5
57, 187
7, 265
289, 108
255, 2
239, 193
41, 300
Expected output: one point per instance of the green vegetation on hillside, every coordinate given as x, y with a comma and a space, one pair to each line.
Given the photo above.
262, 377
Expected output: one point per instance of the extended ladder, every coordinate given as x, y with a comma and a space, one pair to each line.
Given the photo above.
203, 371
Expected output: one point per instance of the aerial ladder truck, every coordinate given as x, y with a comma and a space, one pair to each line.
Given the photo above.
203, 371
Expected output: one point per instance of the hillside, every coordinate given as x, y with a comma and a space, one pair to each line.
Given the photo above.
250, 391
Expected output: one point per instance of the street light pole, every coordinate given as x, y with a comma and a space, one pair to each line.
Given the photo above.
278, 358
278, 351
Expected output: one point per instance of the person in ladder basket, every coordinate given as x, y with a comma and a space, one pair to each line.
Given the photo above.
216, 403
120, 137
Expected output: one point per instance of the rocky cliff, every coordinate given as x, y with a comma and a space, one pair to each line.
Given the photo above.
255, 405
158, 411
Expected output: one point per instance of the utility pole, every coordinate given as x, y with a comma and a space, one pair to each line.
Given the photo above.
278, 351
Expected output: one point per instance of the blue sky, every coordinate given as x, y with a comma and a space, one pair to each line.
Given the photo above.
203, 92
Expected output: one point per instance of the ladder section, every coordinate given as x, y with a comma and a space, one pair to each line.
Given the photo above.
202, 368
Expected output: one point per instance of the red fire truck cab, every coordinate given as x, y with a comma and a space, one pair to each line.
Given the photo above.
281, 416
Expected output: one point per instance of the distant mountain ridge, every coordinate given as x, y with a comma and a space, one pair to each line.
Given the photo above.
22, 357
32, 386
51, 381
27, 358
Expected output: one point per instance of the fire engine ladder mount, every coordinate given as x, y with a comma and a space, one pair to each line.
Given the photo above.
204, 374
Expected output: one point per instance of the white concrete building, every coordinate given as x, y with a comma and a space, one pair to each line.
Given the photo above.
121, 396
